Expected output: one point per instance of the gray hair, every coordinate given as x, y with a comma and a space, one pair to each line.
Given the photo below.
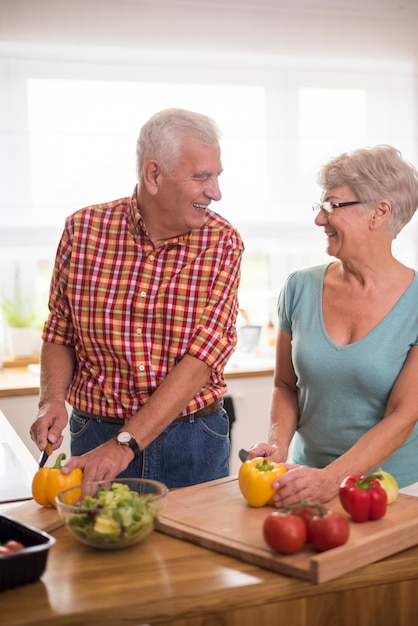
376, 173
162, 136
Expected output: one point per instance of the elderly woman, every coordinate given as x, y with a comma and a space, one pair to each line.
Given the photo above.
345, 387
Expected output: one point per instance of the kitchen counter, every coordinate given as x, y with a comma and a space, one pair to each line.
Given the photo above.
19, 381
169, 582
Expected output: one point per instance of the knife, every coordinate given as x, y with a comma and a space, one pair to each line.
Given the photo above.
45, 454
244, 455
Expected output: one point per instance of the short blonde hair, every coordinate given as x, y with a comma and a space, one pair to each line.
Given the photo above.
376, 173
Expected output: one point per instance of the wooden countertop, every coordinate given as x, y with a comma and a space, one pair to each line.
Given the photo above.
18, 381
170, 582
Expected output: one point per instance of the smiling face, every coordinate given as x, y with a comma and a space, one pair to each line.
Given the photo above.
180, 198
344, 227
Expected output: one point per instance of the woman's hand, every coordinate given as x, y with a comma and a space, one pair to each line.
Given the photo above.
273, 453
304, 483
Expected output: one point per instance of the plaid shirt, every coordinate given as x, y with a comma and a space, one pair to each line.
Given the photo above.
131, 311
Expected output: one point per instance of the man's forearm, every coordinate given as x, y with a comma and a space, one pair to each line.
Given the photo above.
169, 399
57, 369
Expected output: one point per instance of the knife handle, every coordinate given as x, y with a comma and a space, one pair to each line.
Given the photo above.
244, 455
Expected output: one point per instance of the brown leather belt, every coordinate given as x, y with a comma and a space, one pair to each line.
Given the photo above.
190, 417
100, 418
207, 410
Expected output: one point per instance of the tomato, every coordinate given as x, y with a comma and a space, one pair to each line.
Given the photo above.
284, 533
305, 511
14, 546
328, 531
10, 546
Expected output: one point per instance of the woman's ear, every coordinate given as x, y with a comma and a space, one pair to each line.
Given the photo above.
151, 179
381, 213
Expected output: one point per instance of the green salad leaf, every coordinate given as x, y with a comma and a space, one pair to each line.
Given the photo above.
118, 515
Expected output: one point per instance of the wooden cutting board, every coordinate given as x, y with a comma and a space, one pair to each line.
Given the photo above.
40, 517
215, 515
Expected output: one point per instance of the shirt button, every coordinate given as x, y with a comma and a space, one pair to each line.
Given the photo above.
143, 294
138, 331
151, 257
141, 367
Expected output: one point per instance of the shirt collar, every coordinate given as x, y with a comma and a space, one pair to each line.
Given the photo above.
136, 224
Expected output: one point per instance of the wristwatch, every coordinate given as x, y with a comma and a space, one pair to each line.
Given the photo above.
126, 439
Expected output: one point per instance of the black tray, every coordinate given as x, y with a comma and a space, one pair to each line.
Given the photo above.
27, 565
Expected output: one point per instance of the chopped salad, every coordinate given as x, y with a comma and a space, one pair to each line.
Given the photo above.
114, 516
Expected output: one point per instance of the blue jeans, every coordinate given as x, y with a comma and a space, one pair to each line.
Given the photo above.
185, 453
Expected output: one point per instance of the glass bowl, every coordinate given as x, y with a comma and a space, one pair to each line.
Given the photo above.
112, 514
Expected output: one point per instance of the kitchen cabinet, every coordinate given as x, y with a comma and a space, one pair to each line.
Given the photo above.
251, 396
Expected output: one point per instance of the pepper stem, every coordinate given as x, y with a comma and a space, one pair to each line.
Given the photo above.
264, 466
365, 481
59, 460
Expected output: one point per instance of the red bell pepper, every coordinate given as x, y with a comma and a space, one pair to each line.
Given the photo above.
363, 497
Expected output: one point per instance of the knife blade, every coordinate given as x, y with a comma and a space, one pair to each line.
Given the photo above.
45, 454
244, 455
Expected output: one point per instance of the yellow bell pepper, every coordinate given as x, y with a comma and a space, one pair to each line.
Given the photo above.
49, 481
255, 479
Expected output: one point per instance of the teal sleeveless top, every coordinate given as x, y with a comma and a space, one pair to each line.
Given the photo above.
343, 390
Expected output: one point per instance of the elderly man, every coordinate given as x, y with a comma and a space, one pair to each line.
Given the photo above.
143, 306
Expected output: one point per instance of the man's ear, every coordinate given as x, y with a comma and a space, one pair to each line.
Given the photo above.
151, 179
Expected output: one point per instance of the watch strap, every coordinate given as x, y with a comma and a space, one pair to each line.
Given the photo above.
132, 443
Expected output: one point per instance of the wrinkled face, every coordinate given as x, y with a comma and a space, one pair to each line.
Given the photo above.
345, 227
185, 194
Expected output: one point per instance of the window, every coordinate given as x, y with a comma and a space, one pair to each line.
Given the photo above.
82, 138
69, 131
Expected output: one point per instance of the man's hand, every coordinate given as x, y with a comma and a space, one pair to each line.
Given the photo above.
48, 426
103, 463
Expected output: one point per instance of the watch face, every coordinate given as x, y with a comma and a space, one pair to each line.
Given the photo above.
124, 437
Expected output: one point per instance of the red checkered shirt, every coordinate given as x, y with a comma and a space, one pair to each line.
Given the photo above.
132, 311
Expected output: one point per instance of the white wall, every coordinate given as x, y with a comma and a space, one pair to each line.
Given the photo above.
243, 43
151, 25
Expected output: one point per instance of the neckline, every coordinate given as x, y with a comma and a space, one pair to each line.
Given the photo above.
372, 330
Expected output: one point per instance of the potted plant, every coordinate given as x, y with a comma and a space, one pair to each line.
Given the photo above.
20, 319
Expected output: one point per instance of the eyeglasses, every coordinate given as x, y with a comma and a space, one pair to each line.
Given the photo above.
329, 207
